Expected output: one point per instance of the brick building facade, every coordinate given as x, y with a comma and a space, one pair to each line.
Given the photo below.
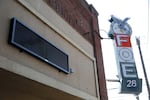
72, 27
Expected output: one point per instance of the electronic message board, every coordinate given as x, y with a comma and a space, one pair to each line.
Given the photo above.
29, 41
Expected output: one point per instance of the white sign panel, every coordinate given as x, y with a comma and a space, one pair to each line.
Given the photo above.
121, 32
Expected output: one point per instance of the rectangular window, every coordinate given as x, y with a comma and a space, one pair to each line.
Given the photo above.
29, 41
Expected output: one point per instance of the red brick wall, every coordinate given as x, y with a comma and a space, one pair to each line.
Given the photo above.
76, 13
100, 67
98, 55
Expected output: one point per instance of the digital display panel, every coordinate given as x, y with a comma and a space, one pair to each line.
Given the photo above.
29, 41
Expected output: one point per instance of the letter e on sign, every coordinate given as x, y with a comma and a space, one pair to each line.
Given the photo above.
128, 70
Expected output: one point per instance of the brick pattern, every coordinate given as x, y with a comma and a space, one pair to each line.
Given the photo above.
76, 13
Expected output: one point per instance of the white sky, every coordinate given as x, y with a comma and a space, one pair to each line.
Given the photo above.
137, 10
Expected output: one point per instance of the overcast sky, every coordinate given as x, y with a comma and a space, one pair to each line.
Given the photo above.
138, 12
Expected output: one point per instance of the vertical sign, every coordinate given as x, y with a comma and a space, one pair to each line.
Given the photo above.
121, 32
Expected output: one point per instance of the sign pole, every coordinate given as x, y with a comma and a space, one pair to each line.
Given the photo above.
143, 65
